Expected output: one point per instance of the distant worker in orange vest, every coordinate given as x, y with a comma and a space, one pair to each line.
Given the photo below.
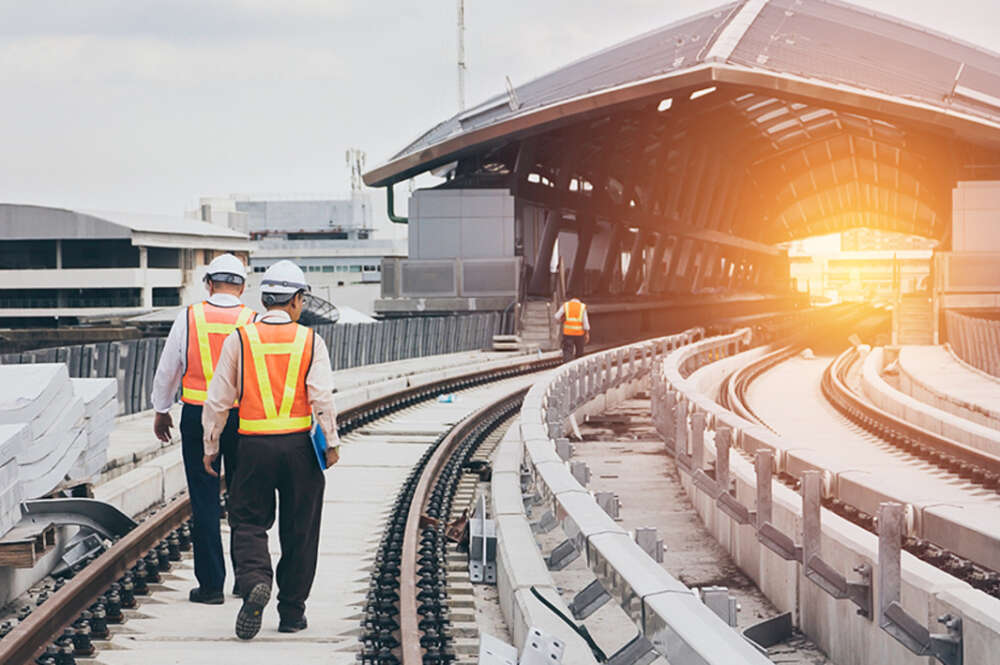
280, 370
188, 359
576, 328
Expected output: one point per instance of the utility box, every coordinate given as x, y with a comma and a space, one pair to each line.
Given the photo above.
461, 223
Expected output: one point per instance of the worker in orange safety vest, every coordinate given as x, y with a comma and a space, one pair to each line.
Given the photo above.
188, 359
281, 372
576, 328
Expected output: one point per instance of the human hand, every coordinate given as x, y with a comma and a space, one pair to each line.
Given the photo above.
162, 422
209, 461
332, 455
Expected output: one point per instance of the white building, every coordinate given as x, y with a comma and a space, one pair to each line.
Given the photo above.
333, 240
58, 263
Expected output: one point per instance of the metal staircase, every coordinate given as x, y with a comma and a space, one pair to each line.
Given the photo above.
914, 320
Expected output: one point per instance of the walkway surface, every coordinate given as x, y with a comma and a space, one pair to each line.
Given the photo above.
167, 629
626, 456
943, 378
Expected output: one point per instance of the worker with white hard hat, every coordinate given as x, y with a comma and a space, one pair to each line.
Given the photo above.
188, 360
280, 370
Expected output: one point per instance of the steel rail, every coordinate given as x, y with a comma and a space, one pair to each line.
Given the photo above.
409, 632
362, 413
29, 638
24, 643
733, 393
940, 450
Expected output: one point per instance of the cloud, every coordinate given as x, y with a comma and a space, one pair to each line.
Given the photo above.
183, 20
91, 59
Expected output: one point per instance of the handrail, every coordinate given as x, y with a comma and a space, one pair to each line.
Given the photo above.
675, 401
674, 620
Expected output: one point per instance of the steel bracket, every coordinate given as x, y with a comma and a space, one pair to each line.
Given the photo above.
893, 619
769, 632
731, 506
779, 543
909, 632
545, 523
588, 601
637, 652
482, 546
706, 484
562, 555
835, 584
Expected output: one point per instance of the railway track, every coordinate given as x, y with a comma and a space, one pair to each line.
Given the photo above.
912, 447
79, 611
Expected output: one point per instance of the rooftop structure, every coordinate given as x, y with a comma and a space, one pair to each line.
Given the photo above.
818, 101
672, 164
67, 264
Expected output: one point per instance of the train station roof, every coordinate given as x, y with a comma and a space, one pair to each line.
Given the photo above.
795, 83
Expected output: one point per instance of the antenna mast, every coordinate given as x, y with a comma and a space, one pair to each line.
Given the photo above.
461, 55
356, 166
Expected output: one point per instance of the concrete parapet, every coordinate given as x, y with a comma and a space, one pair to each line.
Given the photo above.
844, 549
922, 414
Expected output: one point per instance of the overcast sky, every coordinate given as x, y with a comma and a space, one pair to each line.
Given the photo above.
146, 105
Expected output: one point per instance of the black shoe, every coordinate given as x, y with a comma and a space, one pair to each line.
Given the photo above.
293, 626
236, 589
249, 617
197, 595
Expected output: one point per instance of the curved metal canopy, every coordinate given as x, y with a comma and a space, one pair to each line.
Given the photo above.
765, 119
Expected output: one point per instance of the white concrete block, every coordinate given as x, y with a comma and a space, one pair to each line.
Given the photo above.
27, 390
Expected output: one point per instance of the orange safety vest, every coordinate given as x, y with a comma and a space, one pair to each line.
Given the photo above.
208, 327
573, 321
276, 360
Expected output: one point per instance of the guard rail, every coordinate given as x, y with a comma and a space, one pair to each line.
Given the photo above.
668, 614
781, 537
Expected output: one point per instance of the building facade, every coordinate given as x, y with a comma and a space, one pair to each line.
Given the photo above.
67, 265
333, 240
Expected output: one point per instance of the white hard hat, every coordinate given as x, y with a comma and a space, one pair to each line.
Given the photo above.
283, 277
226, 268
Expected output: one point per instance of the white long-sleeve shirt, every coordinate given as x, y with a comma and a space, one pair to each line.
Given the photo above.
173, 360
561, 312
226, 384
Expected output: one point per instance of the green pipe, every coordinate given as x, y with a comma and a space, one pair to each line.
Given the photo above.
390, 200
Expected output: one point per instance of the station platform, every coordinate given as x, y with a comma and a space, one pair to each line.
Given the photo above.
932, 374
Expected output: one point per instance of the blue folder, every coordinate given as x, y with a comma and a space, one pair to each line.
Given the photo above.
319, 444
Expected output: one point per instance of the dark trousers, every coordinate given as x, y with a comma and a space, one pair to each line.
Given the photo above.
286, 464
572, 346
209, 565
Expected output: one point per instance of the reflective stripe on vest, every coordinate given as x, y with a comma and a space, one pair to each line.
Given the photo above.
573, 321
208, 327
275, 355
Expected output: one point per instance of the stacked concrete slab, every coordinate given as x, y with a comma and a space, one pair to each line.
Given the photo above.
54, 430
100, 407
13, 438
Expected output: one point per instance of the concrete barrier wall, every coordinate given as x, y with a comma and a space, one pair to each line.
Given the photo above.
917, 381
666, 612
520, 565
920, 413
925, 592
133, 362
976, 340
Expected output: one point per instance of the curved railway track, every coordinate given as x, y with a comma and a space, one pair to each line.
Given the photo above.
921, 446
78, 611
